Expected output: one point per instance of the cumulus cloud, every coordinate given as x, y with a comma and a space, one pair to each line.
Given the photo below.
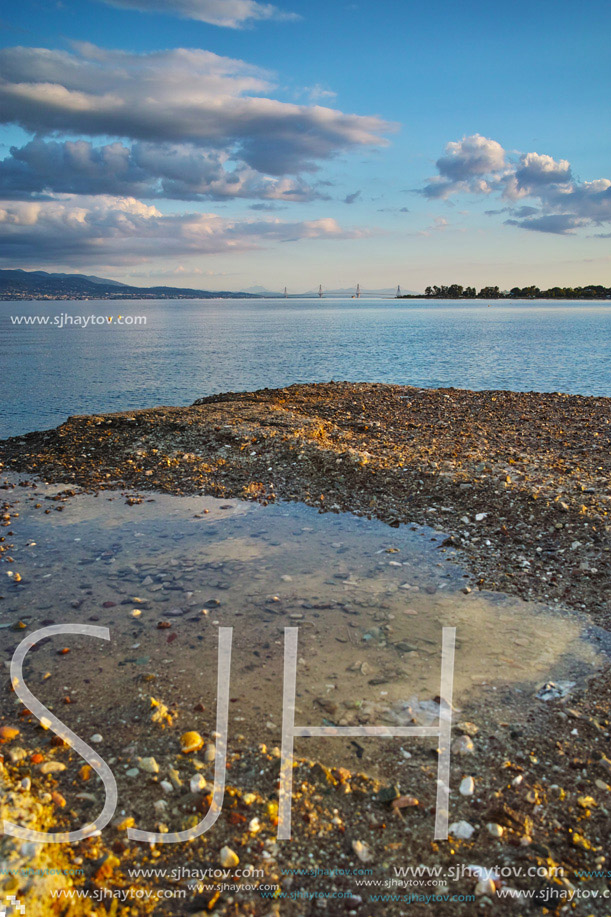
79, 231
558, 203
176, 97
42, 167
233, 14
465, 165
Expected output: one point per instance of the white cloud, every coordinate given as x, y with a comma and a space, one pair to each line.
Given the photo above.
112, 231
464, 165
233, 14
559, 203
180, 172
178, 97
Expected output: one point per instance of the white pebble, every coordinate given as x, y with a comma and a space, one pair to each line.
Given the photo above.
461, 830
197, 783
467, 786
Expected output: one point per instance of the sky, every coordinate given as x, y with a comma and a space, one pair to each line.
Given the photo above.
230, 144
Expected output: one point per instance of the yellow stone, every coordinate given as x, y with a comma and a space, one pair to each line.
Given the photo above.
190, 741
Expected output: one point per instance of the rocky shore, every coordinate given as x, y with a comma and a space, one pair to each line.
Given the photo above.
520, 486
520, 482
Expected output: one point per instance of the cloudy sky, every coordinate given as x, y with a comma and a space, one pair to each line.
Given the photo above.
231, 143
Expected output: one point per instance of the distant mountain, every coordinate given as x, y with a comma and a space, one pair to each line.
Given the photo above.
91, 277
19, 284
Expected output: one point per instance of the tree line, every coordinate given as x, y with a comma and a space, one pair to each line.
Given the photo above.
456, 291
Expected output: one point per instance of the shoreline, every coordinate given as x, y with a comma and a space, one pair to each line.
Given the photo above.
393, 453
520, 482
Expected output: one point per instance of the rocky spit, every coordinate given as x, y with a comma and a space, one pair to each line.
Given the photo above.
520, 485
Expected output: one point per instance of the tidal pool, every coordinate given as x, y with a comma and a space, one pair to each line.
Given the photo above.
370, 603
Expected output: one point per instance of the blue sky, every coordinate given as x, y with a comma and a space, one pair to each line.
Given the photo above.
304, 143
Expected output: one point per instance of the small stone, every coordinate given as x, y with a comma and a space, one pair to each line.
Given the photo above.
166, 786
52, 767
17, 754
210, 753
8, 733
148, 765
461, 830
229, 858
97, 738
175, 778
468, 728
494, 829
404, 802
197, 783
463, 745
190, 741
26, 783
363, 851
123, 822
254, 825
467, 786
132, 772
480, 517
485, 887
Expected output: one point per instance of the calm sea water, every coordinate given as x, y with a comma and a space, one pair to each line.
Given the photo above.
190, 348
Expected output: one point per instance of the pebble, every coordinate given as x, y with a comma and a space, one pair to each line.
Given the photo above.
229, 858
175, 778
363, 851
494, 829
132, 772
485, 887
210, 753
404, 802
461, 830
467, 786
8, 733
197, 783
149, 765
463, 745
97, 738
190, 741
17, 754
52, 767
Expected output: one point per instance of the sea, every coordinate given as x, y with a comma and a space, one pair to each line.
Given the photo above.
78, 357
